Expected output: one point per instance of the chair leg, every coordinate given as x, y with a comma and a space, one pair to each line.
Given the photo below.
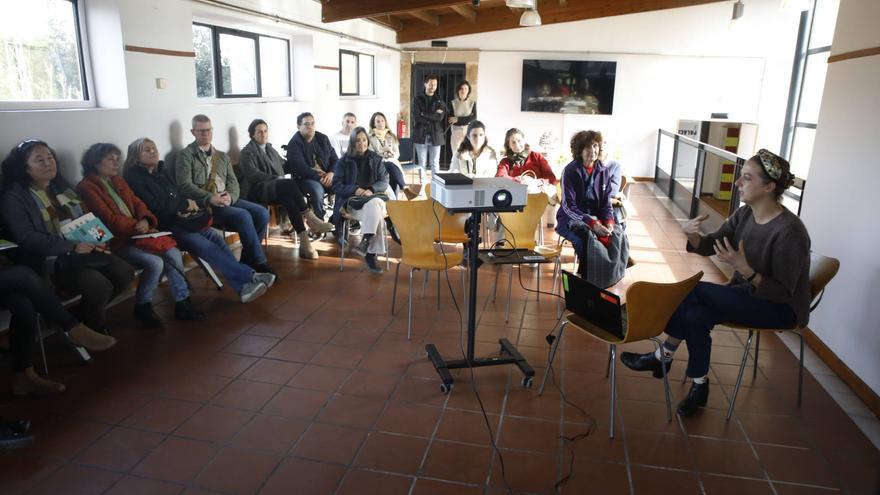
394, 292
409, 307
608, 365
438, 289
757, 347
538, 285
509, 288
666, 392
553, 350
557, 267
209, 271
42, 347
613, 389
495, 286
739, 376
801, 371
344, 242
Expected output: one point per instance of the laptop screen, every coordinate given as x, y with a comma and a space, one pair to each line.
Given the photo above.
595, 305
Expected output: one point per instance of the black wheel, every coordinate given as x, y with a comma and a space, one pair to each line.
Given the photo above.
445, 388
527, 382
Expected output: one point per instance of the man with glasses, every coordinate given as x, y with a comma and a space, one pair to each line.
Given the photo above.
310, 159
205, 175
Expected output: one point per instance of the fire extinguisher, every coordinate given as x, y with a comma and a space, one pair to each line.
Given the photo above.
401, 126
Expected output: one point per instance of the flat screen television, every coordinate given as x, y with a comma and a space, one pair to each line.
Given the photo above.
568, 86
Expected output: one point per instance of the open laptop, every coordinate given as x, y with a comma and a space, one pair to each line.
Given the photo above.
596, 306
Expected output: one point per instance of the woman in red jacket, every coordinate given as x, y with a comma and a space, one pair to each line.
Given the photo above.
108, 196
520, 162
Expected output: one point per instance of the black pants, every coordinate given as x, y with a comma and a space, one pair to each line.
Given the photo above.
395, 177
25, 294
97, 286
288, 195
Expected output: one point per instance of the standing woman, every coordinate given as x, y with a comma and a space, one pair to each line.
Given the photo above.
464, 111
384, 143
262, 170
105, 193
360, 181
35, 202
769, 249
474, 157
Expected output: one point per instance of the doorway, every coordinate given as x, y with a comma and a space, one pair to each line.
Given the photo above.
450, 75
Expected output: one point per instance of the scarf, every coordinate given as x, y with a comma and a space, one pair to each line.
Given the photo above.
381, 133
57, 208
108, 186
517, 159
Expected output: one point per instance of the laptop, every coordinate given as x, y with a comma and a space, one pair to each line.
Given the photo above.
596, 306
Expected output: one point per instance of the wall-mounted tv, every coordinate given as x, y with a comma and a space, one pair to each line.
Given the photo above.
568, 86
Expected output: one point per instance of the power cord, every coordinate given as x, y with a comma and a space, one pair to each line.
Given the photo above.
568, 440
464, 356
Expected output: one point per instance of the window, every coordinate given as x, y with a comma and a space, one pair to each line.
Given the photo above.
356, 74
811, 67
234, 64
41, 59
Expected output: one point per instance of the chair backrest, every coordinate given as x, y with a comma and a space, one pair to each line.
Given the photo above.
649, 305
623, 184
451, 225
414, 222
523, 224
822, 270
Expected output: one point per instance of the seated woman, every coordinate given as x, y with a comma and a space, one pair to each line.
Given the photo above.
360, 182
385, 144
526, 166
189, 225
35, 201
25, 294
108, 196
769, 249
262, 181
474, 157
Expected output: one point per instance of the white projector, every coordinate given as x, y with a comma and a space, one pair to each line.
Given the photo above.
458, 192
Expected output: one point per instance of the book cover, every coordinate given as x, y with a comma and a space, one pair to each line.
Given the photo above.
87, 228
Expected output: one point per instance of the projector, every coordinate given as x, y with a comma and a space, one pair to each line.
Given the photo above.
458, 192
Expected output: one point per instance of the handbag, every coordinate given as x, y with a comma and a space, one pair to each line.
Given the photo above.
358, 202
155, 245
195, 222
75, 261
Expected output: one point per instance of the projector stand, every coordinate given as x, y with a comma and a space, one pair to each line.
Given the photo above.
509, 354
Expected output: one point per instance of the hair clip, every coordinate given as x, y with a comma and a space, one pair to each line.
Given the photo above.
770, 164
26, 142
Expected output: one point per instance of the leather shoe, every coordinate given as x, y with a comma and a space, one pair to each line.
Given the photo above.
644, 362
696, 398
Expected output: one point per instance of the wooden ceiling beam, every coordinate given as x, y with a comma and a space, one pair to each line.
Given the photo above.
388, 21
423, 16
465, 11
342, 10
501, 17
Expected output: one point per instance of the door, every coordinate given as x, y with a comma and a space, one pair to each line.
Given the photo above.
450, 75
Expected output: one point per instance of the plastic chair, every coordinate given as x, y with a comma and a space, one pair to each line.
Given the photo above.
822, 271
519, 230
412, 219
649, 305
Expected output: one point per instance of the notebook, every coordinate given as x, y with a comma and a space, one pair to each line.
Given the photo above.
597, 306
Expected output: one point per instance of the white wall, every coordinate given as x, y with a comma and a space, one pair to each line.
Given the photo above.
672, 64
164, 115
840, 198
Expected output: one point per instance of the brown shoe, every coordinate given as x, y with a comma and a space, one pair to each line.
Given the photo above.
317, 225
84, 336
29, 382
412, 191
306, 250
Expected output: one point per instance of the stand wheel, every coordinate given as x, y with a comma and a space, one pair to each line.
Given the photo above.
527, 381
445, 388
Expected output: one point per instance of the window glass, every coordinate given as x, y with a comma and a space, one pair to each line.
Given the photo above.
274, 67
824, 20
813, 86
40, 59
238, 65
365, 75
348, 73
203, 45
802, 151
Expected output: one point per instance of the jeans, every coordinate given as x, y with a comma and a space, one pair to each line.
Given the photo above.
250, 220
169, 263
209, 245
429, 154
25, 294
710, 304
315, 191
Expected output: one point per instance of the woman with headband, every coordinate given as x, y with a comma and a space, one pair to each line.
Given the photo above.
769, 249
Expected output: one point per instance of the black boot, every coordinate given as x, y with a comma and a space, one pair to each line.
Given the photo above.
186, 311
392, 231
360, 248
644, 362
145, 314
696, 398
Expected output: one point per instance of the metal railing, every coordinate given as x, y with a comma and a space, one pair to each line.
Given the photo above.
680, 170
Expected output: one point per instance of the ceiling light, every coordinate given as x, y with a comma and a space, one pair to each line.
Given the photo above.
738, 8
522, 4
530, 18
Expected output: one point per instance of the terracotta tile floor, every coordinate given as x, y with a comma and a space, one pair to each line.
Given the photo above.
315, 389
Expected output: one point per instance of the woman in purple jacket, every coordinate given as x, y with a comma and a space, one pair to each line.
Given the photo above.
587, 188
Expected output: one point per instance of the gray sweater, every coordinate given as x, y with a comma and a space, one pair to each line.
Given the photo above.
779, 250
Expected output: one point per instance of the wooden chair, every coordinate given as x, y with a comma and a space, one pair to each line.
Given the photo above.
649, 305
822, 271
414, 224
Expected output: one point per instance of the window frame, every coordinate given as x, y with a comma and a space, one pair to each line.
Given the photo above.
216, 31
85, 68
357, 56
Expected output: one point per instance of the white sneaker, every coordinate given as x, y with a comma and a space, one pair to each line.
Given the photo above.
252, 290
266, 278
